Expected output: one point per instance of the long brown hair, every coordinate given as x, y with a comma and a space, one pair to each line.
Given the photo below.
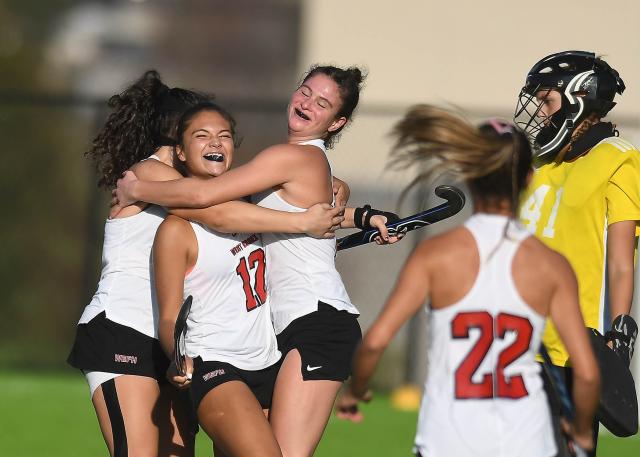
494, 158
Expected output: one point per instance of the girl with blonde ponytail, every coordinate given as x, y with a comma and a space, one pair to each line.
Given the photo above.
489, 287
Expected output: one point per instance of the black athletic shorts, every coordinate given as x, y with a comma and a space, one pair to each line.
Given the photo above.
208, 375
326, 340
104, 345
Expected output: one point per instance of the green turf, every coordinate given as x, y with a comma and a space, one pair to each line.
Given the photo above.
50, 415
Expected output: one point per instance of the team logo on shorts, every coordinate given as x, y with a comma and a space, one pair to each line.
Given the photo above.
126, 359
213, 374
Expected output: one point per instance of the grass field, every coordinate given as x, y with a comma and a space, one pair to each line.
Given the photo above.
50, 415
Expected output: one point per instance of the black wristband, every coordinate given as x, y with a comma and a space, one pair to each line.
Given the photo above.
362, 216
359, 215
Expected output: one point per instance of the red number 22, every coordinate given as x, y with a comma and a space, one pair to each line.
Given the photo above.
513, 387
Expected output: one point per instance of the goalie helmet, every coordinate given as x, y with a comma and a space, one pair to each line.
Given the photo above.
587, 85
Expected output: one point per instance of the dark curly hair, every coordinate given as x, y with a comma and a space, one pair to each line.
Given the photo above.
349, 82
144, 118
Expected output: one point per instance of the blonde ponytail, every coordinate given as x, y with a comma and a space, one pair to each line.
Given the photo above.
481, 156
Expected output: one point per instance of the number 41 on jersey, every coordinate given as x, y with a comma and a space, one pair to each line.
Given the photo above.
531, 210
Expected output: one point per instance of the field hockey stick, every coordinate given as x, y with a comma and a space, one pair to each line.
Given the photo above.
454, 203
179, 333
558, 390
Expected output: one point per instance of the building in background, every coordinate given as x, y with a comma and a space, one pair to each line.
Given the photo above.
472, 56
59, 62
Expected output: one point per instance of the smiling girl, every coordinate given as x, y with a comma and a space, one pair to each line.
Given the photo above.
314, 318
230, 340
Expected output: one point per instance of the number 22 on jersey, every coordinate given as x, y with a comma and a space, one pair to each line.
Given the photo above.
512, 387
531, 210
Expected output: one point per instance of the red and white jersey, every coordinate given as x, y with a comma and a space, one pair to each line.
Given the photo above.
484, 394
302, 269
230, 317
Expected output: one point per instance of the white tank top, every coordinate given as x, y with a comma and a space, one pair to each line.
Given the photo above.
230, 315
484, 394
125, 291
302, 269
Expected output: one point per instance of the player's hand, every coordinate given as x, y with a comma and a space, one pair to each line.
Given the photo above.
341, 191
122, 195
579, 441
378, 222
322, 220
347, 405
622, 336
180, 378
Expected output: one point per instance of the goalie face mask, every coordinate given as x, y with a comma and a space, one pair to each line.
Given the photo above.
585, 84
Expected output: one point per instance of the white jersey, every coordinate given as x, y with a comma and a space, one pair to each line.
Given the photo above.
302, 269
484, 394
125, 291
229, 319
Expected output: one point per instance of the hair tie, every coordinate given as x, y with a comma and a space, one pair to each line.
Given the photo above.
501, 127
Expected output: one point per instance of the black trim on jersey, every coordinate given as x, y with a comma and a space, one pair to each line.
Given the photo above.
120, 448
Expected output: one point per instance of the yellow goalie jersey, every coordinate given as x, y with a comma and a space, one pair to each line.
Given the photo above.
569, 206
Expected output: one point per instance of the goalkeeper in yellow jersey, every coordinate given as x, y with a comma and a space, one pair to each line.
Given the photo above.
584, 196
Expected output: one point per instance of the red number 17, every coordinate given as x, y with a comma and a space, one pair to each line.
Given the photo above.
256, 294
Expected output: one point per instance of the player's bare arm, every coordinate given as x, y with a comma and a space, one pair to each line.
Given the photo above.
620, 266
341, 191
272, 167
319, 221
405, 300
567, 318
148, 170
174, 252
366, 218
